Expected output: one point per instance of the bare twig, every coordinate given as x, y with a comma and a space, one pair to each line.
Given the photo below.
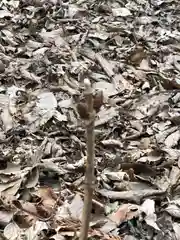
89, 176
65, 20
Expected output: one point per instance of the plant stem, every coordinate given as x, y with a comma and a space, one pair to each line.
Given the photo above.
89, 175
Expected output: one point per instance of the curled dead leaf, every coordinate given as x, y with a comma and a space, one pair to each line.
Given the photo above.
24, 220
124, 213
2, 67
98, 101
137, 55
83, 110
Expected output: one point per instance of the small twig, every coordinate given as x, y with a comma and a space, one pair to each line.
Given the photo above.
65, 20
106, 66
87, 109
89, 175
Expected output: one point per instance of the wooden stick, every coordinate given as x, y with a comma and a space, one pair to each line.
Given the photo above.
89, 175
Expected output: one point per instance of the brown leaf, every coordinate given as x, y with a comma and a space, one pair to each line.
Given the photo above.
137, 55
83, 110
98, 100
48, 197
124, 213
43, 212
139, 168
2, 67
24, 220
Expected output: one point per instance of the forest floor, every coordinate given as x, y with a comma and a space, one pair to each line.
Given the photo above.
129, 50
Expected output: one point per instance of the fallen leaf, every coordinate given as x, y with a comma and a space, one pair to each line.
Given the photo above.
121, 12
12, 231
124, 213
172, 139
32, 178
148, 207
76, 207
5, 13
173, 210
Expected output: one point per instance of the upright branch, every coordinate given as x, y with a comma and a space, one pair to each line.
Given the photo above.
87, 111
89, 175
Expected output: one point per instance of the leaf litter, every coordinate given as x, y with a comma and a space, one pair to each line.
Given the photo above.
130, 51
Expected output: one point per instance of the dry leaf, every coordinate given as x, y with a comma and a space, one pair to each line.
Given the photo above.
12, 231
124, 213
121, 12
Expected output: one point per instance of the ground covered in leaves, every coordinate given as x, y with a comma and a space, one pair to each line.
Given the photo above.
128, 49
